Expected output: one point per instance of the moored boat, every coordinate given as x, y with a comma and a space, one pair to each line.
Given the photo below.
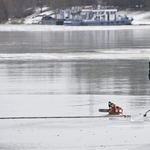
99, 17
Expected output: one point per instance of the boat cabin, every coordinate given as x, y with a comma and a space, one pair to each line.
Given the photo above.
99, 15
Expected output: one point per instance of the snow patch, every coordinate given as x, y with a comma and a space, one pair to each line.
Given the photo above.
140, 17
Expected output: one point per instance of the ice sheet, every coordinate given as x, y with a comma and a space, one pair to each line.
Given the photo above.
55, 28
77, 56
76, 134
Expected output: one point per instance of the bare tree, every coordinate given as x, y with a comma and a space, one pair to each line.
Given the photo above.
3, 11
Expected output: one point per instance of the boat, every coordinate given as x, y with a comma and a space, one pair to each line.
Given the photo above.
99, 17
48, 20
56, 18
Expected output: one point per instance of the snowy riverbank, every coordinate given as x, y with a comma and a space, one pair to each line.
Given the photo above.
140, 17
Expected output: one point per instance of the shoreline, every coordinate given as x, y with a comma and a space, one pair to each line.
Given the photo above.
18, 27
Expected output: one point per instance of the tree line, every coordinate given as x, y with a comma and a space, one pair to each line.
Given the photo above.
22, 8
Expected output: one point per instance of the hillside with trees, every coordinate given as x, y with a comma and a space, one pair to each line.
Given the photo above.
22, 8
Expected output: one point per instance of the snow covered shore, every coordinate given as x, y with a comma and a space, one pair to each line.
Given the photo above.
140, 17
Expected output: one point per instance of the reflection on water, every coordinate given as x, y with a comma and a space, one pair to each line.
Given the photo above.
61, 70
102, 77
57, 81
74, 41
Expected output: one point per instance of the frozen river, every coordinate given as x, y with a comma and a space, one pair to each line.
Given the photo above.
59, 71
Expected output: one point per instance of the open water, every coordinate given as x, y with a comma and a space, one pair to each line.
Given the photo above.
81, 70
73, 72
